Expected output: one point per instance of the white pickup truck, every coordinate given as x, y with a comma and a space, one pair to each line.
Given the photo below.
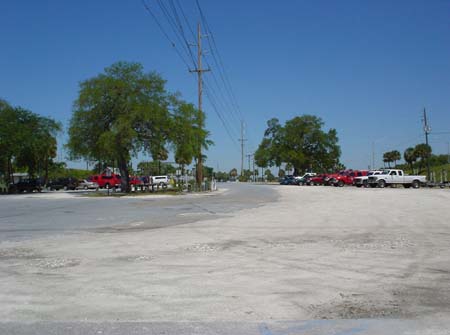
393, 176
363, 180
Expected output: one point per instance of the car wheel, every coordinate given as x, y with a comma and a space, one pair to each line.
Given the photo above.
365, 183
415, 184
107, 186
65, 188
340, 183
381, 183
358, 185
85, 187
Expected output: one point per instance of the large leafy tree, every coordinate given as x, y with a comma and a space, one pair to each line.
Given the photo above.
119, 113
302, 143
189, 136
27, 141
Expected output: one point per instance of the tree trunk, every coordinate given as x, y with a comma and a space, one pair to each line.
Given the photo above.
124, 172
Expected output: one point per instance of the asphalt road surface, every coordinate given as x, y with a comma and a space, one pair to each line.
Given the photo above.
28, 216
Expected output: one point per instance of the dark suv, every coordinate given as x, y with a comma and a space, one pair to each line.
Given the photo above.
63, 183
26, 185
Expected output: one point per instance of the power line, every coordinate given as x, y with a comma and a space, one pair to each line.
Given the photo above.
219, 62
160, 26
176, 30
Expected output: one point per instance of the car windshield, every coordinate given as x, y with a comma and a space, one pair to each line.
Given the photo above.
384, 172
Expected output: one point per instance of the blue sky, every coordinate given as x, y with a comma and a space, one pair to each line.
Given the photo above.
367, 68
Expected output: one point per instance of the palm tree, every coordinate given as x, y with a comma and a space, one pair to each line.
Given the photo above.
423, 151
387, 158
410, 157
395, 156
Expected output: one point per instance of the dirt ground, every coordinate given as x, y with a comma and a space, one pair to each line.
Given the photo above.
316, 252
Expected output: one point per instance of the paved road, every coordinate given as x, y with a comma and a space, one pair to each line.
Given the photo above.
29, 216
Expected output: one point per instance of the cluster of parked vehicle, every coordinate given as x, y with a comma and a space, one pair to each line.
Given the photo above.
358, 178
95, 182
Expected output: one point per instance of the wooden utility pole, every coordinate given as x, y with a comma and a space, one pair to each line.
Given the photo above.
249, 156
427, 130
242, 140
199, 70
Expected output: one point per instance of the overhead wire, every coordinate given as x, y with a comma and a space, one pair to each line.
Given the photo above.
183, 49
218, 61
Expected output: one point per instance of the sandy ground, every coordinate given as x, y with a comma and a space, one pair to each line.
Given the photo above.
317, 252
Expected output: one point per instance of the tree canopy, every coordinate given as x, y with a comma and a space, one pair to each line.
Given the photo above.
301, 142
27, 141
124, 111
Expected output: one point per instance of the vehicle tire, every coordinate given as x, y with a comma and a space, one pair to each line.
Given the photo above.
163, 185
415, 184
365, 183
65, 188
340, 183
86, 188
107, 186
381, 183
358, 185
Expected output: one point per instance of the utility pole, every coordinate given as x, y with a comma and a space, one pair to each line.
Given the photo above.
254, 175
199, 70
427, 130
373, 155
249, 166
242, 140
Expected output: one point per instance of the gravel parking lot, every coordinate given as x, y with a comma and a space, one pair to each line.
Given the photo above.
309, 253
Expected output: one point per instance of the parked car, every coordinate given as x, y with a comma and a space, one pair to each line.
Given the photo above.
363, 180
107, 180
318, 179
289, 180
63, 183
26, 185
305, 179
393, 177
85, 184
346, 177
136, 181
160, 180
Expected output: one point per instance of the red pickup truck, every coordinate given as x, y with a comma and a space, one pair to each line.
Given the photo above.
106, 180
346, 177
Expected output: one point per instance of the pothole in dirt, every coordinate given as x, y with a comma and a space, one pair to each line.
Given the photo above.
56, 263
357, 307
134, 258
18, 253
375, 244
214, 247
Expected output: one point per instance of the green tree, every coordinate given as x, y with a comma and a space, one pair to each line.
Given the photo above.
423, 151
410, 157
119, 113
269, 175
306, 146
387, 158
263, 154
27, 141
233, 173
189, 136
281, 173
395, 156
